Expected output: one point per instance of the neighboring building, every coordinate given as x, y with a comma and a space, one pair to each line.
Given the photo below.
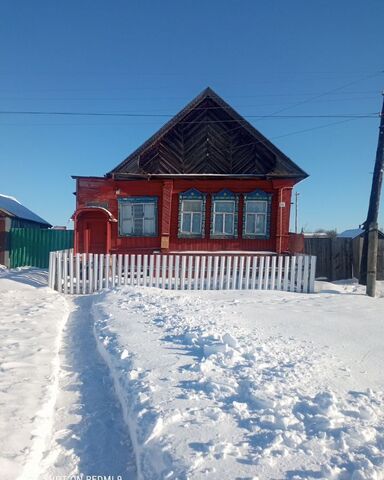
355, 233
15, 215
206, 181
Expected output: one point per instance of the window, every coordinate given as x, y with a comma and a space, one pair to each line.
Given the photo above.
256, 214
256, 217
138, 216
224, 215
191, 214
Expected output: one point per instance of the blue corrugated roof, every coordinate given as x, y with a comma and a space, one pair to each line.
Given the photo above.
356, 232
11, 206
352, 233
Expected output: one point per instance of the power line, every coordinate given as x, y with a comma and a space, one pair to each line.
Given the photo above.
166, 115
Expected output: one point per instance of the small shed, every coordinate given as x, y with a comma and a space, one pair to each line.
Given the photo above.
15, 215
207, 181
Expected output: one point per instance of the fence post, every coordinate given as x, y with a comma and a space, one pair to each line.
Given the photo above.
293, 274
247, 272
222, 271
312, 275
202, 273
84, 271
305, 274
71, 272
78, 273
261, 273
59, 272
299, 273
90, 272
145, 270
286, 274
95, 271
164, 272
101, 270
266, 276
273, 272
50, 268
228, 277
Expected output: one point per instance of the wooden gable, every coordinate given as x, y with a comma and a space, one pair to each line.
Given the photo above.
208, 138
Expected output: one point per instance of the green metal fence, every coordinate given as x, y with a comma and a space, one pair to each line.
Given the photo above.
31, 246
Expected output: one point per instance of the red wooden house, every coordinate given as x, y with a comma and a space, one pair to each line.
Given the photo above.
206, 181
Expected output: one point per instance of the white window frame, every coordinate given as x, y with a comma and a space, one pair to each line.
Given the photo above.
255, 215
193, 213
132, 202
224, 214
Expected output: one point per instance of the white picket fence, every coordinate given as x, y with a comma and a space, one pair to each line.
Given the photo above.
88, 273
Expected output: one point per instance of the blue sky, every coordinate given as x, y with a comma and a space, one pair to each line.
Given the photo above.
307, 57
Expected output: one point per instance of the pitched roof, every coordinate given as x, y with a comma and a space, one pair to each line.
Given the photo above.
356, 232
13, 208
208, 137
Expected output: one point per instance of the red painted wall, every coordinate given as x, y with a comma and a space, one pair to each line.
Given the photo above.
105, 192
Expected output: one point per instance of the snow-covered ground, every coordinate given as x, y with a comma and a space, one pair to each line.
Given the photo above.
153, 384
59, 415
31, 320
240, 385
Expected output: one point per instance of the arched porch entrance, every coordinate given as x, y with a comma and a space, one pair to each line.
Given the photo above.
93, 230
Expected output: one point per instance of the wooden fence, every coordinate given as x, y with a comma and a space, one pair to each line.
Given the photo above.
88, 273
339, 258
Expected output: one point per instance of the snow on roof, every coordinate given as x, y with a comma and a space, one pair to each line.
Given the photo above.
14, 208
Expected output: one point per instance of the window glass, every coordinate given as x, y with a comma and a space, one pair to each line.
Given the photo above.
191, 216
228, 224
192, 205
256, 217
256, 206
196, 223
137, 216
223, 216
224, 206
218, 224
250, 226
186, 222
260, 224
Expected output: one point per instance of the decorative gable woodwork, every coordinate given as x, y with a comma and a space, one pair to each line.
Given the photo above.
208, 138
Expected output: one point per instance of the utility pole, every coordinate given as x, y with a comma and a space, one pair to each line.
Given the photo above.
296, 211
369, 255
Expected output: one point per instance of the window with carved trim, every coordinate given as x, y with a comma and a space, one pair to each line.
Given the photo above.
256, 215
224, 215
191, 214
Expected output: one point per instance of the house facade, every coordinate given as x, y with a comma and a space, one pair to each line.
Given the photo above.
207, 181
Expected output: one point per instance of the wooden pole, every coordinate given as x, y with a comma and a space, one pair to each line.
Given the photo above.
296, 211
369, 254
372, 259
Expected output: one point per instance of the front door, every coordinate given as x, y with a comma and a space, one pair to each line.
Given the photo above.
96, 235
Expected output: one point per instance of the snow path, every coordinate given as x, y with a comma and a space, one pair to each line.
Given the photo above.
90, 434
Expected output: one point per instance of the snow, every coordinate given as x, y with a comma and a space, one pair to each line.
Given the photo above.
89, 435
31, 320
243, 385
10, 197
155, 384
